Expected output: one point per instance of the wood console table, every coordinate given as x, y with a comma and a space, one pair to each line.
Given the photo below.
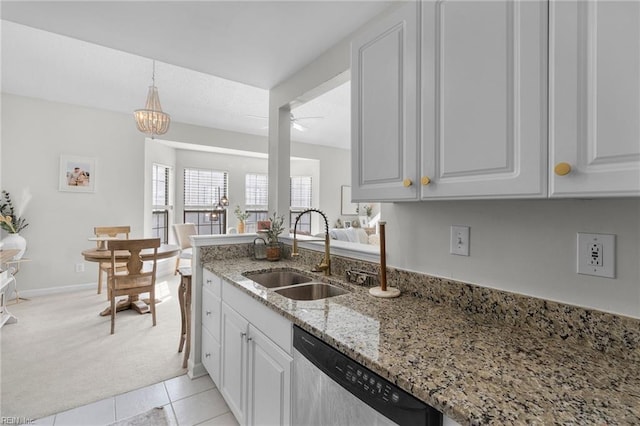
184, 297
6, 277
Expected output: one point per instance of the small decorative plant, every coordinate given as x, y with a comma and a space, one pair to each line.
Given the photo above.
242, 216
368, 209
9, 220
275, 229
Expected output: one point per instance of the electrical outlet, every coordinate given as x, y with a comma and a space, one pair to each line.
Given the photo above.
79, 267
459, 240
596, 255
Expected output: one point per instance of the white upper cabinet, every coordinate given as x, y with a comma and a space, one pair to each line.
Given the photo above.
594, 83
516, 99
484, 97
384, 93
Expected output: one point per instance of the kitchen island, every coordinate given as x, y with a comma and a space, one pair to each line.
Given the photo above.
473, 369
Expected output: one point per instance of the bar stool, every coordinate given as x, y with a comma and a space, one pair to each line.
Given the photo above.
184, 298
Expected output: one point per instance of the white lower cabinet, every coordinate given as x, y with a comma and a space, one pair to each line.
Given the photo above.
269, 381
210, 320
234, 362
211, 355
255, 378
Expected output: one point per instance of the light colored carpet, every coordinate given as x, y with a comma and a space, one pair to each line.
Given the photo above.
60, 355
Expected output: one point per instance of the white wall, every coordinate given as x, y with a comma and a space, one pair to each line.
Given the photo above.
334, 171
34, 135
526, 246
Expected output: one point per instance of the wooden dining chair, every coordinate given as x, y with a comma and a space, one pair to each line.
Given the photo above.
138, 277
113, 232
182, 232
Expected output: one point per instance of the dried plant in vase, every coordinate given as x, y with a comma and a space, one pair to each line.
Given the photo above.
242, 216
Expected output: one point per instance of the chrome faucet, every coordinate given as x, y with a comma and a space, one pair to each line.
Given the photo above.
325, 264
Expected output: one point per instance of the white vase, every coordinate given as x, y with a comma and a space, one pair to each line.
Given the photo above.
15, 241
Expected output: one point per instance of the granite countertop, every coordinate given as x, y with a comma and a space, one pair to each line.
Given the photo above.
472, 370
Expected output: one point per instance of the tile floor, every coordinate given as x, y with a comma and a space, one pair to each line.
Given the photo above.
188, 403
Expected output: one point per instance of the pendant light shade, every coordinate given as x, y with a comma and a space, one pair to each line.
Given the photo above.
151, 120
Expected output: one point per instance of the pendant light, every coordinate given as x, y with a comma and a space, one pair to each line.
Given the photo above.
151, 120
219, 208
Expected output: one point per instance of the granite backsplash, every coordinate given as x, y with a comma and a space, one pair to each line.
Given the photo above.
612, 334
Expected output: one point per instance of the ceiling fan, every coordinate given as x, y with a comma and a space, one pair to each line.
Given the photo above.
294, 121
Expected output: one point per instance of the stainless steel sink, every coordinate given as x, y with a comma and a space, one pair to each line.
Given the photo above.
274, 279
313, 291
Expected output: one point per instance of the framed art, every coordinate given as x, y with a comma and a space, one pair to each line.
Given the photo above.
77, 174
347, 207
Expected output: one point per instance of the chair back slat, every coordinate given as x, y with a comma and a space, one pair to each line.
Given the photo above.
134, 247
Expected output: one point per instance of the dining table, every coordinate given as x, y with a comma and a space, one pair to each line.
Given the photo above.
97, 254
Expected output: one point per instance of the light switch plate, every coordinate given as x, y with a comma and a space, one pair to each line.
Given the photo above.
459, 240
596, 254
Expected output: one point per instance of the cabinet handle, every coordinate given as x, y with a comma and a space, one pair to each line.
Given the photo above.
243, 335
425, 180
562, 169
207, 355
407, 182
208, 281
249, 339
207, 313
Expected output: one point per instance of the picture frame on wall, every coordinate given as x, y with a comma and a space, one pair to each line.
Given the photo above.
347, 207
77, 174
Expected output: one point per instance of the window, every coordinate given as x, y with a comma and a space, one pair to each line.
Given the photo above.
160, 203
256, 190
203, 190
300, 200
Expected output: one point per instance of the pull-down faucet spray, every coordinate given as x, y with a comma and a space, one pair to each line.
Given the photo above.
325, 264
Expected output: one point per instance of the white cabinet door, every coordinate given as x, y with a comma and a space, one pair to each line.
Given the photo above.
211, 305
211, 312
269, 398
384, 97
234, 362
484, 85
211, 356
595, 98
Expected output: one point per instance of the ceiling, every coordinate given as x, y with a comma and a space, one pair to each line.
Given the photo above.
215, 60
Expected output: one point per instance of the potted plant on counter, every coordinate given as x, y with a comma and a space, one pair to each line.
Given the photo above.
274, 247
242, 216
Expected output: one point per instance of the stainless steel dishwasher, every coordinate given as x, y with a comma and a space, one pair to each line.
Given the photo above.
331, 389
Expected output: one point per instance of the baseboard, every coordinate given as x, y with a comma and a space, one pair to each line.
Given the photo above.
165, 270
196, 370
57, 290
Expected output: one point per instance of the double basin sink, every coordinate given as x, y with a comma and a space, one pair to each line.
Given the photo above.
294, 285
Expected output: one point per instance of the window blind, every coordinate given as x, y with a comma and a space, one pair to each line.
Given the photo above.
201, 188
256, 191
160, 186
300, 192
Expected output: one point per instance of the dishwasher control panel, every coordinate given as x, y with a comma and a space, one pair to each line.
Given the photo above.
368, 382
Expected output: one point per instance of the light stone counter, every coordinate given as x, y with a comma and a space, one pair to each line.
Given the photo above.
473, 369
